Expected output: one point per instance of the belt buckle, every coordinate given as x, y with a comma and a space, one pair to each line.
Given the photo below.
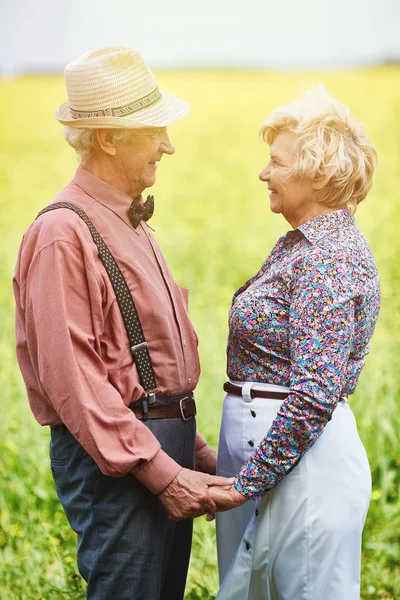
181, 401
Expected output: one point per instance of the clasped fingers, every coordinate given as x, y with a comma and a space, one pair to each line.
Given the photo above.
226, 498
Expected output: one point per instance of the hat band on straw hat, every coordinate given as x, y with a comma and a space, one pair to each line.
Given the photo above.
113, 87
120, 111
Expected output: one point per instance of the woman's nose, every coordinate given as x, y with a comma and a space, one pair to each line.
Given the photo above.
264, 174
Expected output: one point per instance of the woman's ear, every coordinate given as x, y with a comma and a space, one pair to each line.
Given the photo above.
319, 182
105, 141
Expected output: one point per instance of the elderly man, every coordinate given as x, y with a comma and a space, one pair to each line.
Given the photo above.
105, 344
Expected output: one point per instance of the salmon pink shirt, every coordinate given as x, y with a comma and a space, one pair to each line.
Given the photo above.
72, 345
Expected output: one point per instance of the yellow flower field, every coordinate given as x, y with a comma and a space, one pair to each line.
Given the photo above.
213, 223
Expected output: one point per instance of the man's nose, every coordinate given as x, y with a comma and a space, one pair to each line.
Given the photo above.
166, 146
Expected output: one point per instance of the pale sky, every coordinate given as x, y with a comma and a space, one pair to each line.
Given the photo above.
44, 35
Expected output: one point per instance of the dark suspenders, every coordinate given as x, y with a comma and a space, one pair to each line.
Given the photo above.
137, 343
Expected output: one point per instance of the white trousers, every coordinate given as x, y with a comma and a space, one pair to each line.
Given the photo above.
303, 540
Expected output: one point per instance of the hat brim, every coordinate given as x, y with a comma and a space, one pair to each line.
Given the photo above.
166, 111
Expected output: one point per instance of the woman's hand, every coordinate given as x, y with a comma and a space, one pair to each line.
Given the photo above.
225, 498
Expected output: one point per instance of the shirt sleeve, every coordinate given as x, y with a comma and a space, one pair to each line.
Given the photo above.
64, 298
321, 326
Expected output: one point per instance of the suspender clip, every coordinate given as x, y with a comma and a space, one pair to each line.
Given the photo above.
138, 347
151, 398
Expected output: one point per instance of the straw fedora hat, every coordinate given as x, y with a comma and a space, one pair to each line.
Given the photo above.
114, 88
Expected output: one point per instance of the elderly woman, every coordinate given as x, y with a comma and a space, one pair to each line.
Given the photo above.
299, 332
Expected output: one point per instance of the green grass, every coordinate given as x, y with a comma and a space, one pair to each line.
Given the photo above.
213, 223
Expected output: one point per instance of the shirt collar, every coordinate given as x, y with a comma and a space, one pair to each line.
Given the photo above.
322, 225
103, 192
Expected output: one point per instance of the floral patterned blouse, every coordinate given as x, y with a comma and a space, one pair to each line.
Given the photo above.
303, 321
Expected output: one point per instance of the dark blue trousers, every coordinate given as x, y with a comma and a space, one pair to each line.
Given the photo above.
128, 549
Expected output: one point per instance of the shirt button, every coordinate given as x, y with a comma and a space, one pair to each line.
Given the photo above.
190, 380
250, 443
257, 512
248, 546
184, 342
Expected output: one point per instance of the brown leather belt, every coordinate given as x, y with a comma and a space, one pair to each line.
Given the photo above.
231, 388
185, 408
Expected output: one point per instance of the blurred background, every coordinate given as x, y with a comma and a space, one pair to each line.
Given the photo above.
234, 62
43, 36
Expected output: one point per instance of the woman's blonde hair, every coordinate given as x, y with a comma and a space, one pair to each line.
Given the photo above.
331, 145
83, 141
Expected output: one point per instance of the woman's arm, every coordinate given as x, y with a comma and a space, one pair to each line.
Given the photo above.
321, 328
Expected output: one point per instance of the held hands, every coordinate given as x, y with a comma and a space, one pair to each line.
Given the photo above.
188, 495
195, 493
225, 498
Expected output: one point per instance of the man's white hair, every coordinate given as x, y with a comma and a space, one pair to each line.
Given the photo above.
83, 141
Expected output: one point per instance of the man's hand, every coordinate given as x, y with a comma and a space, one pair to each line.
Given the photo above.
188, 496
225, 498
206, 460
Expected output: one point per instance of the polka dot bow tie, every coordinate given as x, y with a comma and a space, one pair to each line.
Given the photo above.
141, 211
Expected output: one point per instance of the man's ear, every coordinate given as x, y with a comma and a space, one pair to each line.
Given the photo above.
105, 142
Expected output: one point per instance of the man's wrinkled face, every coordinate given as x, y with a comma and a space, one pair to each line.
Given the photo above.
138, 159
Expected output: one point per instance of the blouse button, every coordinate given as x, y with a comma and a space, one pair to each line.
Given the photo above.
250, 443
248, 546
257, 512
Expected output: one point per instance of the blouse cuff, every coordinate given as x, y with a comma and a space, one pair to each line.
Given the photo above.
251, 492
254, 480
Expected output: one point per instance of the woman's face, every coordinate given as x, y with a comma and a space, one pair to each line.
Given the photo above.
293, 198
